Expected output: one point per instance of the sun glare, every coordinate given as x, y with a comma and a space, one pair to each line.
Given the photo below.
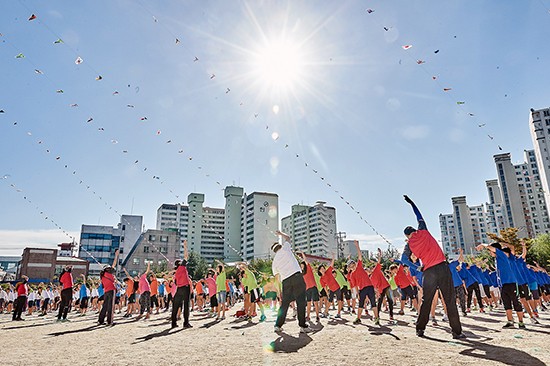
279, 64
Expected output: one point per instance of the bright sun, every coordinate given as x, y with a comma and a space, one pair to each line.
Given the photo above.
279, 64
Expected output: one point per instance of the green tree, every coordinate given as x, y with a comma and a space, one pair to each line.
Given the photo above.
539, 250
196, 266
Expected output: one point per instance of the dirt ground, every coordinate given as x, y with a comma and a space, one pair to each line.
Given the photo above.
42, 341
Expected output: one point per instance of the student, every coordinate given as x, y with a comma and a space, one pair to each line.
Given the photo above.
162, 295
363, 283
145, 294
312, 293
22, 290
508, 280
458, 283
83, 296
286, 267
436, 274
329, 282
404, 284
252, 293
199, 290
221, 290
183, 290
66, 280
130, 294
154, 283
108, 282
212, 290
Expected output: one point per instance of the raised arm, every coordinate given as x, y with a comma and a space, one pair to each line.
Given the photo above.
379, 255
485, 246
461, 255
185, 250
283, 235
148, 268
523, 249
116, 258
83, 277
303, 255
419, 218
359, 254
127, 274
221, 264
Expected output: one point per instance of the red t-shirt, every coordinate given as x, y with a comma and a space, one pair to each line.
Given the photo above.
360, 277
108, 282
182, 278
66, 280
350, 280
401, 278
426, 248
410, 277
328, 280
22, 289
309, 278
378, 279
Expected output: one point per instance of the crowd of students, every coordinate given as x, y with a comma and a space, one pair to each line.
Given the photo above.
418, 280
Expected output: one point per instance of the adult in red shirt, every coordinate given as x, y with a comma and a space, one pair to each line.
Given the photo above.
22, 291
327, 280
183, 292
108, 280
436, 274
66, 280
312, 293
360, 279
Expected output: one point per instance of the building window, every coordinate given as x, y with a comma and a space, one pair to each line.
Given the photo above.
136, 261
145, 249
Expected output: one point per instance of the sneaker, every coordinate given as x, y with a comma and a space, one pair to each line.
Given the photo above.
401, 312
464, 314
262, 318
534, 321
223, 318
357, 321
337, 316
391, 318
521, 325
419, 333
377, 321
277, 329
317, 319
458, 336
305, 330
65, 320
187, 326
508, 325
482, 310
445, 318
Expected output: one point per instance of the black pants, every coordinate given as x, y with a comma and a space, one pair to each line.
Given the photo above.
107, 308
145, 302
461, 294
487, 290
386, 292
45, 304
181, 298
439, 276
20, 303
509, 295
294, 289
474, 287
66, 297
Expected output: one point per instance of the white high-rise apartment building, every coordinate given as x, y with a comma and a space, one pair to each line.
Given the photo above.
312, 229
524, 205
243, 230
259, 222
539, 125
465, 228
203, 227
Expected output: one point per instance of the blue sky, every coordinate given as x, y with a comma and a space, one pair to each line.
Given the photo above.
360, 110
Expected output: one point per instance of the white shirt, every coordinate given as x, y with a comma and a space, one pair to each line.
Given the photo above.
3, 295
284, 262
